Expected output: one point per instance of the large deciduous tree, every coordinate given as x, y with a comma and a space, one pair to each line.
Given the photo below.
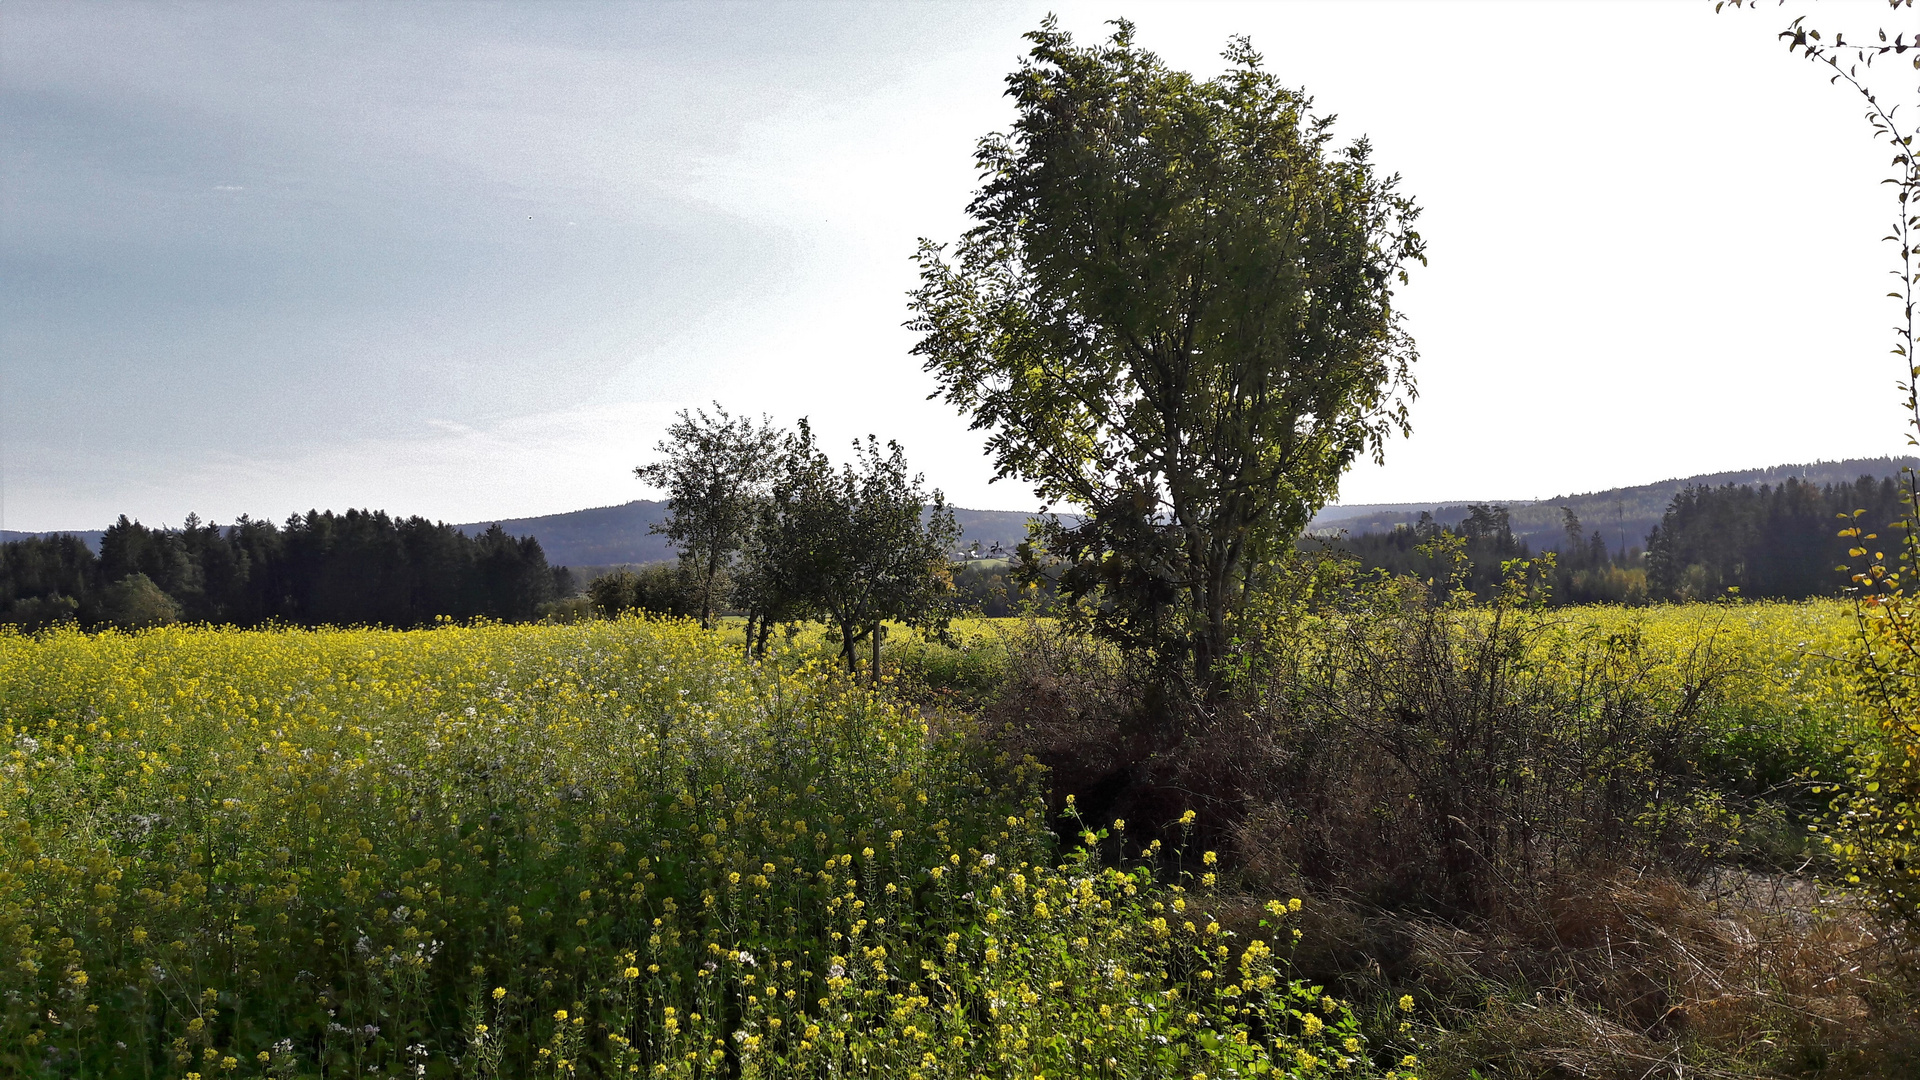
715, 471
1176, 312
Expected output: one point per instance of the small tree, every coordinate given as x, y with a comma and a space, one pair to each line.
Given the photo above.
1875, 830
715, 473
1176, 312
136, 603
769, 586
855, 545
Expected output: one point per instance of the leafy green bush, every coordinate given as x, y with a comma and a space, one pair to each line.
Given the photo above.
660, 589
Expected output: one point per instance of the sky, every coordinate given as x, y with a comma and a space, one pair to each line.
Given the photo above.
467, 260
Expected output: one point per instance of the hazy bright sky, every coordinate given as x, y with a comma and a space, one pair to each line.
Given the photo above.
466, 260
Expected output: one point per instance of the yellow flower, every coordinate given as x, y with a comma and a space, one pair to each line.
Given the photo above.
499, 992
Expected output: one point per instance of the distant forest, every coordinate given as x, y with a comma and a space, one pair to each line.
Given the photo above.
356, 568
1624, 515
1765, 541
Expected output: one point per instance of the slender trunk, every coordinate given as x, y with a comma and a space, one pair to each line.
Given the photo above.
766, 626
706, 595
874, 675
752, 614
847, 650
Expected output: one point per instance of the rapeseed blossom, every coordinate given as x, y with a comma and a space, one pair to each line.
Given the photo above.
553, 850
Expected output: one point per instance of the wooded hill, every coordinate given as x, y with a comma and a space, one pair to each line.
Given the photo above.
619, 535
1623, 515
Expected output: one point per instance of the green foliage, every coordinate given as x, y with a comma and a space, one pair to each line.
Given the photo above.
1489, 746
44, 579
1585, 571
1874, 832
317, 569
995, 588
1483, 543
1765, 542
715, 473
135, 602
854, 546
40, 612
657, 589
558, 851
1176, 312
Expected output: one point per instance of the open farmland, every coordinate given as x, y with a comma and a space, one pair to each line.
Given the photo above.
607, 848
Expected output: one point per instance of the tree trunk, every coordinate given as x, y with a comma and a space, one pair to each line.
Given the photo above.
752, 614
1214, 598
706, 596
874, 675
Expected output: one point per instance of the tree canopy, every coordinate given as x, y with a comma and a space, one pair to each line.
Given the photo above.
854, 545
715, 472
1176, 312
319, 568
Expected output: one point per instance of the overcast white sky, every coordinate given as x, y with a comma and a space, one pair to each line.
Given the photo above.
466, 260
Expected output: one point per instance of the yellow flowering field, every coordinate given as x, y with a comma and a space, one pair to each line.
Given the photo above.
1787, 697
610, 848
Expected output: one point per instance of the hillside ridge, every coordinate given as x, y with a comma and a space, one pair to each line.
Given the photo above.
1623, 515
620, 534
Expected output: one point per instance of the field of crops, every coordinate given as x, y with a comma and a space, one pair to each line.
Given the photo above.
1784, 697
611, 848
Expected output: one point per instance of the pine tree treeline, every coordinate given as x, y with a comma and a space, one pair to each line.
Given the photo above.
1766, 541
1585, 570
321, 568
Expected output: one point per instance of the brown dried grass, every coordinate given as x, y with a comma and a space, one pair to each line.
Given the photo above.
1637, 976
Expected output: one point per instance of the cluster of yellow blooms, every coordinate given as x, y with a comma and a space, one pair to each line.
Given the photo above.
606, 848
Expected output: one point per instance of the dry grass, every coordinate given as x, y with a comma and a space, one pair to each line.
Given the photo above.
1635, 977
1511, 820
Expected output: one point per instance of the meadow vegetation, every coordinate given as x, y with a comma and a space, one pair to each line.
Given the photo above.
1589, 841
614, 847
1531, 841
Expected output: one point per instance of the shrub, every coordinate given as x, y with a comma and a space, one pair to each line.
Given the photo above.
40, 612
135, 602
659, 588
